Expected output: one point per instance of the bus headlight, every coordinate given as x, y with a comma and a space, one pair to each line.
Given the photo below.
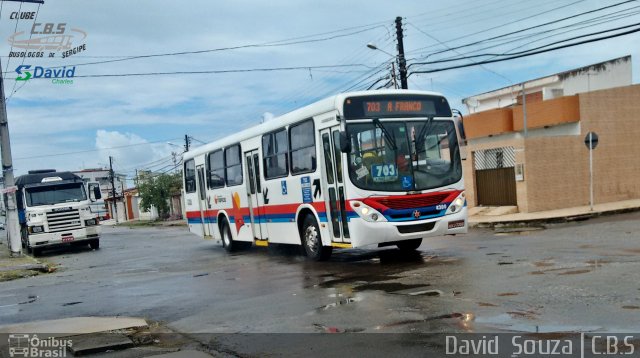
457, 204
91, 222
366, 212
36, 229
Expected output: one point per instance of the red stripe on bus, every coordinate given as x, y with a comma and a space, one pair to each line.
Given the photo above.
267, 209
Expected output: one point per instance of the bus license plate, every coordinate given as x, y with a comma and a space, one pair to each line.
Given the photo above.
67, 239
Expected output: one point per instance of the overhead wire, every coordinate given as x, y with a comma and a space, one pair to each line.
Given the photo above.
530, 53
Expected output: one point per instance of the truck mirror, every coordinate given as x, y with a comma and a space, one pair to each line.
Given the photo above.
345, 143
97, 193
94, 191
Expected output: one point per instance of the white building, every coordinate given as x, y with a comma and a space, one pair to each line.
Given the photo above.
603, 75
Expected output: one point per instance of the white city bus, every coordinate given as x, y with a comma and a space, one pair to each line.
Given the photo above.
356, 169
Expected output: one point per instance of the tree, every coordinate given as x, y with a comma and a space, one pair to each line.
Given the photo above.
156, 190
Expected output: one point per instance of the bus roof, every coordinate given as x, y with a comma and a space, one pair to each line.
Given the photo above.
323, 106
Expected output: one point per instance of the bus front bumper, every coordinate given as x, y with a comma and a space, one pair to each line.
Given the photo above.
365, 233
65, 237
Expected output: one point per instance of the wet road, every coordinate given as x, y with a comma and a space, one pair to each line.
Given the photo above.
580, 276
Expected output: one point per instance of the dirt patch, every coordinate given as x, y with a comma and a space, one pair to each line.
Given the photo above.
536, 273
486, 304
504, 294
543, 264
631, 307
519, 314
574, 272
635, 251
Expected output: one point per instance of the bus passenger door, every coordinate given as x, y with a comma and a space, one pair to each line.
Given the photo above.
202, 201
256, 201
334, 185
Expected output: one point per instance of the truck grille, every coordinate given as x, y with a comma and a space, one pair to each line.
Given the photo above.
62, 221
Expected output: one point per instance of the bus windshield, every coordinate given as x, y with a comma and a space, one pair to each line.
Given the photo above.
54, 194
403, 155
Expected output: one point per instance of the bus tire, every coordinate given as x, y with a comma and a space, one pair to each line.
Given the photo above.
409, 245
227, 239
312, 242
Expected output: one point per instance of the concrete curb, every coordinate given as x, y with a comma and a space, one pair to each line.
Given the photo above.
542, 222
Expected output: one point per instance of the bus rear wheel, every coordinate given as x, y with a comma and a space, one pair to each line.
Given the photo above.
409, 245
311, 240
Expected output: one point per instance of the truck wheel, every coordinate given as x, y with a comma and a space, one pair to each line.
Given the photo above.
35, 251
409, 245
94, 244
312, 242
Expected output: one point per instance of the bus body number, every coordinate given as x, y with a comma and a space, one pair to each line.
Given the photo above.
384, 173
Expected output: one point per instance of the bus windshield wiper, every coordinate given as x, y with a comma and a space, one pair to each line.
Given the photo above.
387, 136
421, 136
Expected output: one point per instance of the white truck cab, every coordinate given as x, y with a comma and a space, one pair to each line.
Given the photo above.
54, 209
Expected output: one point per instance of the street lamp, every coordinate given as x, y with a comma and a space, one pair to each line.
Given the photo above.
393, 64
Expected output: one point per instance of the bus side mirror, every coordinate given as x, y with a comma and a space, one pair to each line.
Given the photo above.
94, 192
345, 143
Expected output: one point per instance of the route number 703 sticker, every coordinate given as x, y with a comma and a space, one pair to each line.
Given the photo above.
384, 173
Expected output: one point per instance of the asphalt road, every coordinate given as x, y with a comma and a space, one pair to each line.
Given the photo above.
572, 277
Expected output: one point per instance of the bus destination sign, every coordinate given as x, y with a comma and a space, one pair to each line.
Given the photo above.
384, 106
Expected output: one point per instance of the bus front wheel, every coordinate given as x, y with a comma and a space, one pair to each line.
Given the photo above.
409, 245
311, 240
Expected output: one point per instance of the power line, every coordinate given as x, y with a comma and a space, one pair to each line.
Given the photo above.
267, 44
95, 150
456, 51
614, 16
506, 24
526, 51
531, 27
272, 69
530, 53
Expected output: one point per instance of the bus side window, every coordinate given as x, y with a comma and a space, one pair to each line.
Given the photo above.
275, 151
215, 170
233, 165
302, 141
190, 176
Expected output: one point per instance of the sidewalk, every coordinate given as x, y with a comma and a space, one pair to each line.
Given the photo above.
554, 216
12, 268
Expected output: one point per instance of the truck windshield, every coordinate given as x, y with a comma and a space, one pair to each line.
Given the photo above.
55, 194
422, 155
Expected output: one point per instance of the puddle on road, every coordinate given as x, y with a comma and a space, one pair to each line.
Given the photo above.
513, 322
455, 316
388, 287
342, 302
72, 303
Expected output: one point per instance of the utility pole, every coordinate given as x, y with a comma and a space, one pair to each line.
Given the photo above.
113, 188
186, 142
402, 62
13, 225
393, 75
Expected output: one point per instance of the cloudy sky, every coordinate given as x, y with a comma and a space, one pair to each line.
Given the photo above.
141, 119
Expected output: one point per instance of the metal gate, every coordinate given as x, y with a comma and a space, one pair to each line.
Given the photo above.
495, 176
